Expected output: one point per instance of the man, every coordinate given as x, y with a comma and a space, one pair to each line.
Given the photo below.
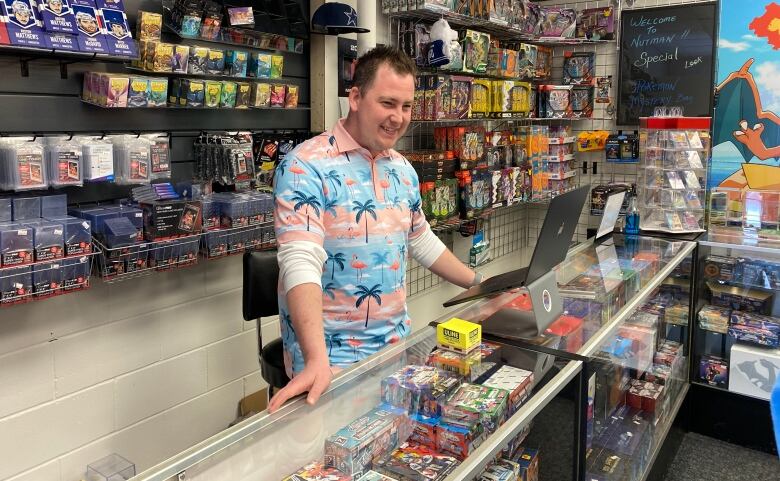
347, 210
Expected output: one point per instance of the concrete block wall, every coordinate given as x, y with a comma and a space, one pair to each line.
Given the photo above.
144, 368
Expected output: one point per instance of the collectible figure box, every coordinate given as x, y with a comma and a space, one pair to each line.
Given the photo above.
48, 239
57, 16
459, 335
90, 33
77, 235
418, 389
354, 448
753, 370
459, 441
16, 244
517, 382
473, 402
754, 329
414, 462
596, 24
168, 219
476, 47
26, 208
15, 283
316, 471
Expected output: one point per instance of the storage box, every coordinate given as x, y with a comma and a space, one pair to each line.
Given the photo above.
54, 205
47, 279
26, 208
15, 284
459, 335
755, 329
473, 402
169, 219
111, 468
459, 441
753, 370
48, 239
16, 245
75, 273
517, 382
260, 65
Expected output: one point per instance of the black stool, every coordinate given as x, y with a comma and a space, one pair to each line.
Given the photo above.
260, 299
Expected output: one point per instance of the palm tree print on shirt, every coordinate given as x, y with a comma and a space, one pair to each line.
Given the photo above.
364, 208
366, 294
333, 178
335, 259
329, 289
380, 259
307, 201
355, 344
414, 207
330, 207
333, 340
393, 174
287, 321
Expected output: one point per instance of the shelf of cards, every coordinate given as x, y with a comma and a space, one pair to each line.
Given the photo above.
55, 54
240, 37
237, 240
44, 279
143, 258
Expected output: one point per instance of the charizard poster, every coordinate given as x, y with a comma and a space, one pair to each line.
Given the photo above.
746, 127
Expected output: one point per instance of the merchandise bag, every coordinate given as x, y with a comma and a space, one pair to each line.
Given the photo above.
64, 164
131, 159
23, 167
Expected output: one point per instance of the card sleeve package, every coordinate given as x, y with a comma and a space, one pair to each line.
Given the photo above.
356, 447
48, 239
46, 279
64, 164
77, 235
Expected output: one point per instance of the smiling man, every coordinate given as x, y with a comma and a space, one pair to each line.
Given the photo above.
348, 210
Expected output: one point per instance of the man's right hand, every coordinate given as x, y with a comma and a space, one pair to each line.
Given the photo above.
314, 379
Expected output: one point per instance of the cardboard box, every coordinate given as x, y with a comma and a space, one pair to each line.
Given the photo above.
459, 335
171, 219
753, 370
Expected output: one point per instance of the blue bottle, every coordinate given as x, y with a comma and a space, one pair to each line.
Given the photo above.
632, 217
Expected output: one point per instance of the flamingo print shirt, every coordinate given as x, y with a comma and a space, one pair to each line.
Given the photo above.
354, 216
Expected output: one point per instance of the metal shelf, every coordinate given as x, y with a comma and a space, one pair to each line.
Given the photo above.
206, 76
169, 107
739, 242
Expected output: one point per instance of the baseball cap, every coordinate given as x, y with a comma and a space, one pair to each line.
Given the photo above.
334, 18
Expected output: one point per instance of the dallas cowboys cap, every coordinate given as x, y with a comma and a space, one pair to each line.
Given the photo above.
334, 18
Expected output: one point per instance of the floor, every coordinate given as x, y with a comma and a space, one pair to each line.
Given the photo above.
701, 458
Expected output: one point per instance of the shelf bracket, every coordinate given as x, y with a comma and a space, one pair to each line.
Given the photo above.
24, 63
64, 69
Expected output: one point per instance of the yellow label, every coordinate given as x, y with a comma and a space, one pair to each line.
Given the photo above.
459, 334
158, 85
216, 54
196, 87
139, 85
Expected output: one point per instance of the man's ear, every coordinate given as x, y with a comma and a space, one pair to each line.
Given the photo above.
354, 98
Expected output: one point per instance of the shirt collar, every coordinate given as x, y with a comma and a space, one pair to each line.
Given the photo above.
345, 143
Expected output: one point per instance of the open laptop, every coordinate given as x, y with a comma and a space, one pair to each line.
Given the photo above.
551, 248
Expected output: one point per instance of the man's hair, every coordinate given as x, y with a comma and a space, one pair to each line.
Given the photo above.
369, 62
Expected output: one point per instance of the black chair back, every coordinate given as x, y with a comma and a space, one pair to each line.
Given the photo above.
261, 275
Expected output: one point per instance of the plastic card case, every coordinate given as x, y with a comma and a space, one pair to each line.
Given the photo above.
672, 179
111, 468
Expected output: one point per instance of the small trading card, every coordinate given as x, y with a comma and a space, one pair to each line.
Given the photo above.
57, 16
73, 170
691, 179
675, 182
679, 139
694, 160
692, 199
189, 217
673, 221
695, 140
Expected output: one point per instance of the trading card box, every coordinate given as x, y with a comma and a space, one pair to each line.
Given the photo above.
171, 218
459, 335
227, 99
354, 448
236, 63
16, 245
460, 97
476, 48
414, 462
419, 389
57, 16
192, 93
754, 329
498, 472
659, 374
558, 22
438, 97
15, 284
22, 23
543, 62
198, 60
215, 65
513, 380
528, 459
526, 61
278, 95
644, 395
158, 90
261, 95
418, 107
607, 465
471, 402
138, 92
48, 239
579, 68
116, 30
213, 93
243, 95
629, 436
424, 430
148, 26
277, 66
596, 24
374, 476
90, 26
316, 471
260, 65
735, 297
459, 441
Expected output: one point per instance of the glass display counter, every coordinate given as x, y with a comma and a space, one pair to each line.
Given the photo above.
617, 354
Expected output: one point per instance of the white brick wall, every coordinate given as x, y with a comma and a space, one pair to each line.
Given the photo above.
144, 368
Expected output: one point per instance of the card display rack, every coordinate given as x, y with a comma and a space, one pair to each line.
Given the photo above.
675, 152
65, 57
237, 240
137, 260
178, 107
45, 279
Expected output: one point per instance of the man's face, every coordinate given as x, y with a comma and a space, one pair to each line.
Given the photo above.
22, 15
383, 110
117, 29
89, 25
55, 6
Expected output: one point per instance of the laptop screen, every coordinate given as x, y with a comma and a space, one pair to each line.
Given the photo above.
611, 214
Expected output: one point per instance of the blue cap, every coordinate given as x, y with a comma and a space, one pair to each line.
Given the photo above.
334, 18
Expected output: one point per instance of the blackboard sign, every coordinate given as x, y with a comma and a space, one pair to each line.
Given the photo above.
667, 58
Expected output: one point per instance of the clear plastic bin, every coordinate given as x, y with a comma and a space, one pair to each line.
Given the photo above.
111, 468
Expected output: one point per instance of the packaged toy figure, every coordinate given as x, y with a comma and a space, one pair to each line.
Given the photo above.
579, 68
213, 93
558, 22
90, 36
57, 16
149, 26
596, 24
261, 95
527, 60
277, 66
216, 62
354, 448
415, 462
476, 47
198, 61
278, 94
227, 99
236, 62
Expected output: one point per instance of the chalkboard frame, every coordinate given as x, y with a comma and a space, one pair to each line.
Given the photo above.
621, 121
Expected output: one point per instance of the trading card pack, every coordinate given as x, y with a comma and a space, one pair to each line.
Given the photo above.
57, 16
23, 24
415, 462
115, 28
89, 26
316, 471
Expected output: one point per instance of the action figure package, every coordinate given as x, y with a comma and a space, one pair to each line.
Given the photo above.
57, 16
48, 239
64, 165
579, 68
261, 95
198, 60
476, 46
354, 448
170, 219
473, 402
15, 283
596, 24
459, 441
260, 65
517, 382
316, 471
418, 389
148, 26
16, 245
415, 462
236, 63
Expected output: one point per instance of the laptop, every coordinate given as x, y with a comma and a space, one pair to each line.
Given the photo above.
551, 248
